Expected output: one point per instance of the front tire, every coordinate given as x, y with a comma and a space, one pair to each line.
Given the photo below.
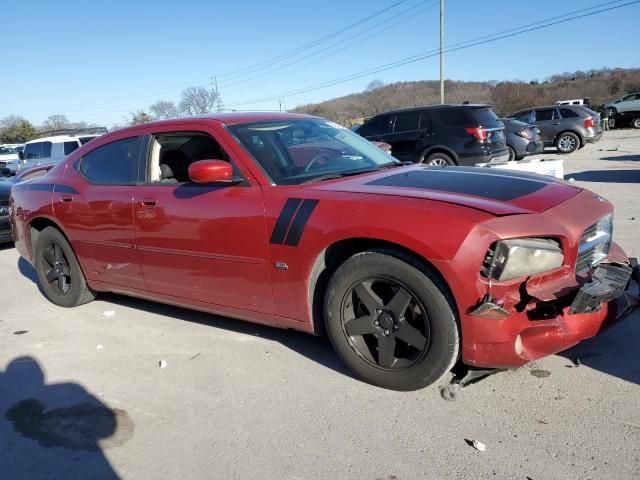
567, 142
59, 273
512, 154
635, 123
391, 320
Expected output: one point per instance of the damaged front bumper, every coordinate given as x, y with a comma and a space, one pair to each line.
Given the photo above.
539, 326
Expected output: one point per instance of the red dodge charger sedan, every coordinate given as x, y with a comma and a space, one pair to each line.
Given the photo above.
293, 221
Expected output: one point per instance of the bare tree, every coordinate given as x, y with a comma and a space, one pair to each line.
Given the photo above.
374, 97
55, 122
197, 101
164, 109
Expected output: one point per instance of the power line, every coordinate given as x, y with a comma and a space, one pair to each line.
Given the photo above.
377, 31
258, 66
424, 55
489, 38
125, 99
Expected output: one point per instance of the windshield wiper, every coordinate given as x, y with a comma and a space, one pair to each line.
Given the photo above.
331, 176
393, 164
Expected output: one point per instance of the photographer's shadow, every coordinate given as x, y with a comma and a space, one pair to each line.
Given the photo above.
55, 430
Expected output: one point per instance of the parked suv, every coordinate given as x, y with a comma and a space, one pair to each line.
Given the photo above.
567, 127
51, 150
628, 103
441, 134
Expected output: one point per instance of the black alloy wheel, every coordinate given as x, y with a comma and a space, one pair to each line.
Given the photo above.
392, 320
59, 274
56, 268
385, 323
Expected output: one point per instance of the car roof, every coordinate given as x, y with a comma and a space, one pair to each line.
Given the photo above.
61, 138
437, 107
231, 118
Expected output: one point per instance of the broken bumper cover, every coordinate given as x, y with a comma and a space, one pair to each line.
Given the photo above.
612, 294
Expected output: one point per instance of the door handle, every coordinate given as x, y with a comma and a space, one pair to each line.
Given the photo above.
555, 123
148, 202
66, 199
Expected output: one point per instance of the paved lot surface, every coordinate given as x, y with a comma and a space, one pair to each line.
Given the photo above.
83, 396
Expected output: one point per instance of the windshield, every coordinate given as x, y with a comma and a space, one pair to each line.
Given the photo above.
7, 150
296, 151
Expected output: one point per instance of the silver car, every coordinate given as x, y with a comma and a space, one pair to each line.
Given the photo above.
567, 127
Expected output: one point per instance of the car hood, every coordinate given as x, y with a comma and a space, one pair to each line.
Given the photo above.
499, 192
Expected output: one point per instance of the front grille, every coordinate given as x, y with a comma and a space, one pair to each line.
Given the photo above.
594, 244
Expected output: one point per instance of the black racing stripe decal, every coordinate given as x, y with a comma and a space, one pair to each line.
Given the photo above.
65, 189
496, 186
40, 187
297, 227
50, 187
280, 230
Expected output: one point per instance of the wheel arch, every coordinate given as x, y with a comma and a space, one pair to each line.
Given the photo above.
37, 225
332, 256
439, 149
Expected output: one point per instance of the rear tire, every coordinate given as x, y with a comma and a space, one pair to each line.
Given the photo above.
635, 123
567, 142
391, 320
59, 273
438, 160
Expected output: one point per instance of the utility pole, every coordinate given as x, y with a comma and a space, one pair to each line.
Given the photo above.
441, 51
280, 103
214, 87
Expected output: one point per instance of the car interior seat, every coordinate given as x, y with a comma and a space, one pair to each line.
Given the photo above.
174, 164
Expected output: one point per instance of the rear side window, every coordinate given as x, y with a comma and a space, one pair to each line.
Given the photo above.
407, 122
568, 113
376, 126
84, 140
70, 147
524, 116
484, 116
113, 163
545, 114
454, 117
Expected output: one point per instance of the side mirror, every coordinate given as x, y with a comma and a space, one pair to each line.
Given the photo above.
210, 171
21, 155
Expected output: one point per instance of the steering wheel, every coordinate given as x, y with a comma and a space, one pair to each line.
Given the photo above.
314, 160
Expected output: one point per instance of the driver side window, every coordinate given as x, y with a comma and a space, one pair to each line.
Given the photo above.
171, 153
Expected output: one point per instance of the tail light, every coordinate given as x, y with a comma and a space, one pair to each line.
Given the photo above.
479, 133
588, 122
524, 133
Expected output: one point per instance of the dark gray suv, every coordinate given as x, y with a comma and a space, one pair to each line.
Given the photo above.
567, 127
441, 134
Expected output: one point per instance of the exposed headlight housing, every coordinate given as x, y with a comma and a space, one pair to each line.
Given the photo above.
509, 259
